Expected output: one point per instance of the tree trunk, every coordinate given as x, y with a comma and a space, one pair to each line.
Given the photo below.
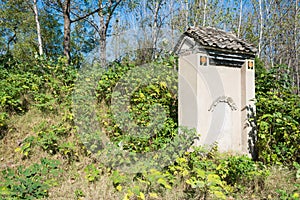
204, 13
171, 21
186, 14
102, 34
67, 29
261, 28
296, 47
38, 28
155, 25
240, 19
108, 9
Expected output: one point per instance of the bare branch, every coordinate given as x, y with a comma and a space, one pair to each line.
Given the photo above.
111, 14
85, 16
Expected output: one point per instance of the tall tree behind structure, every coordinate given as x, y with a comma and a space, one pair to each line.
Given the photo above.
277, 34
18, 29
240, 18
296, 45
72, 11
154, 22
261, 22
106, 12
38, 27
65, 7
155, 9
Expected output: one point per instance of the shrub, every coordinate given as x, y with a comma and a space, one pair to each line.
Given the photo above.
147, 94
32, 182
278, 116
44, 83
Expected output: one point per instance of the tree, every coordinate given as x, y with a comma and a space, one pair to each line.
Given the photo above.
106, 11
240, 18
38, 28
18, 29
65, 7
261, 27
296, 45
280, 38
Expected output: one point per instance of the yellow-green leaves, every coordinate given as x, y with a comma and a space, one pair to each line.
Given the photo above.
91, 173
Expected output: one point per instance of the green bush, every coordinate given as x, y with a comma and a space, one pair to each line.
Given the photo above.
32, 182
278, 116
45, 84
51, 140
200, 174
241, 170
15, 90
149, 89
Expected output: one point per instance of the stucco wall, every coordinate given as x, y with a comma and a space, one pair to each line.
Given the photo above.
222, 123
187, 100
212, 100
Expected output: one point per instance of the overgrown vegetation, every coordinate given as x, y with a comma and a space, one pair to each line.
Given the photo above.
154, 89
278, 116
30, 183
42, 156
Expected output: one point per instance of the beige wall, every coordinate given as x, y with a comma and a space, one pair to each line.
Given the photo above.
248, 105
187, 79
202, 86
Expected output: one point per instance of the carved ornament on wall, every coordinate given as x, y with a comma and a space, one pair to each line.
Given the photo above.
224, 99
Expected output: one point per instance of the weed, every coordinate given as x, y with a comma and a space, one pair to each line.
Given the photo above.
32, 182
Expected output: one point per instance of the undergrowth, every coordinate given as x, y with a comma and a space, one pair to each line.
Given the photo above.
44, 157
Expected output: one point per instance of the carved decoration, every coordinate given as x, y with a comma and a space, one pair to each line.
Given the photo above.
223, 99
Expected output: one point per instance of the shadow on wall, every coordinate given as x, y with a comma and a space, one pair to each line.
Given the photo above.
252, 134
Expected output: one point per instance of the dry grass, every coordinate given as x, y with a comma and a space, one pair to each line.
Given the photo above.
279, 178
73, 178
19, 128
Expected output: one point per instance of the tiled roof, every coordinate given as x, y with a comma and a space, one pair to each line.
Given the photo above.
215, 38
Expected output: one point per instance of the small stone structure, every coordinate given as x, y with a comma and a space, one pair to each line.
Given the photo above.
217, 88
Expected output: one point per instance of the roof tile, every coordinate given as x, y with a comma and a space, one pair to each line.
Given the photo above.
212, 37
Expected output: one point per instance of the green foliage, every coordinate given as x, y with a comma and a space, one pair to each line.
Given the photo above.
239, 169
147, 184
210, 175
297, 166
48, 85
118, 179
79, 193
208, 183
149, 97
43, 83
278, 116
204, 175
14, 90
283, 195
26, 146
110, 78
69, 151
201, 175
18, 36
134, 193
49, 138
92, 173
32, 182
